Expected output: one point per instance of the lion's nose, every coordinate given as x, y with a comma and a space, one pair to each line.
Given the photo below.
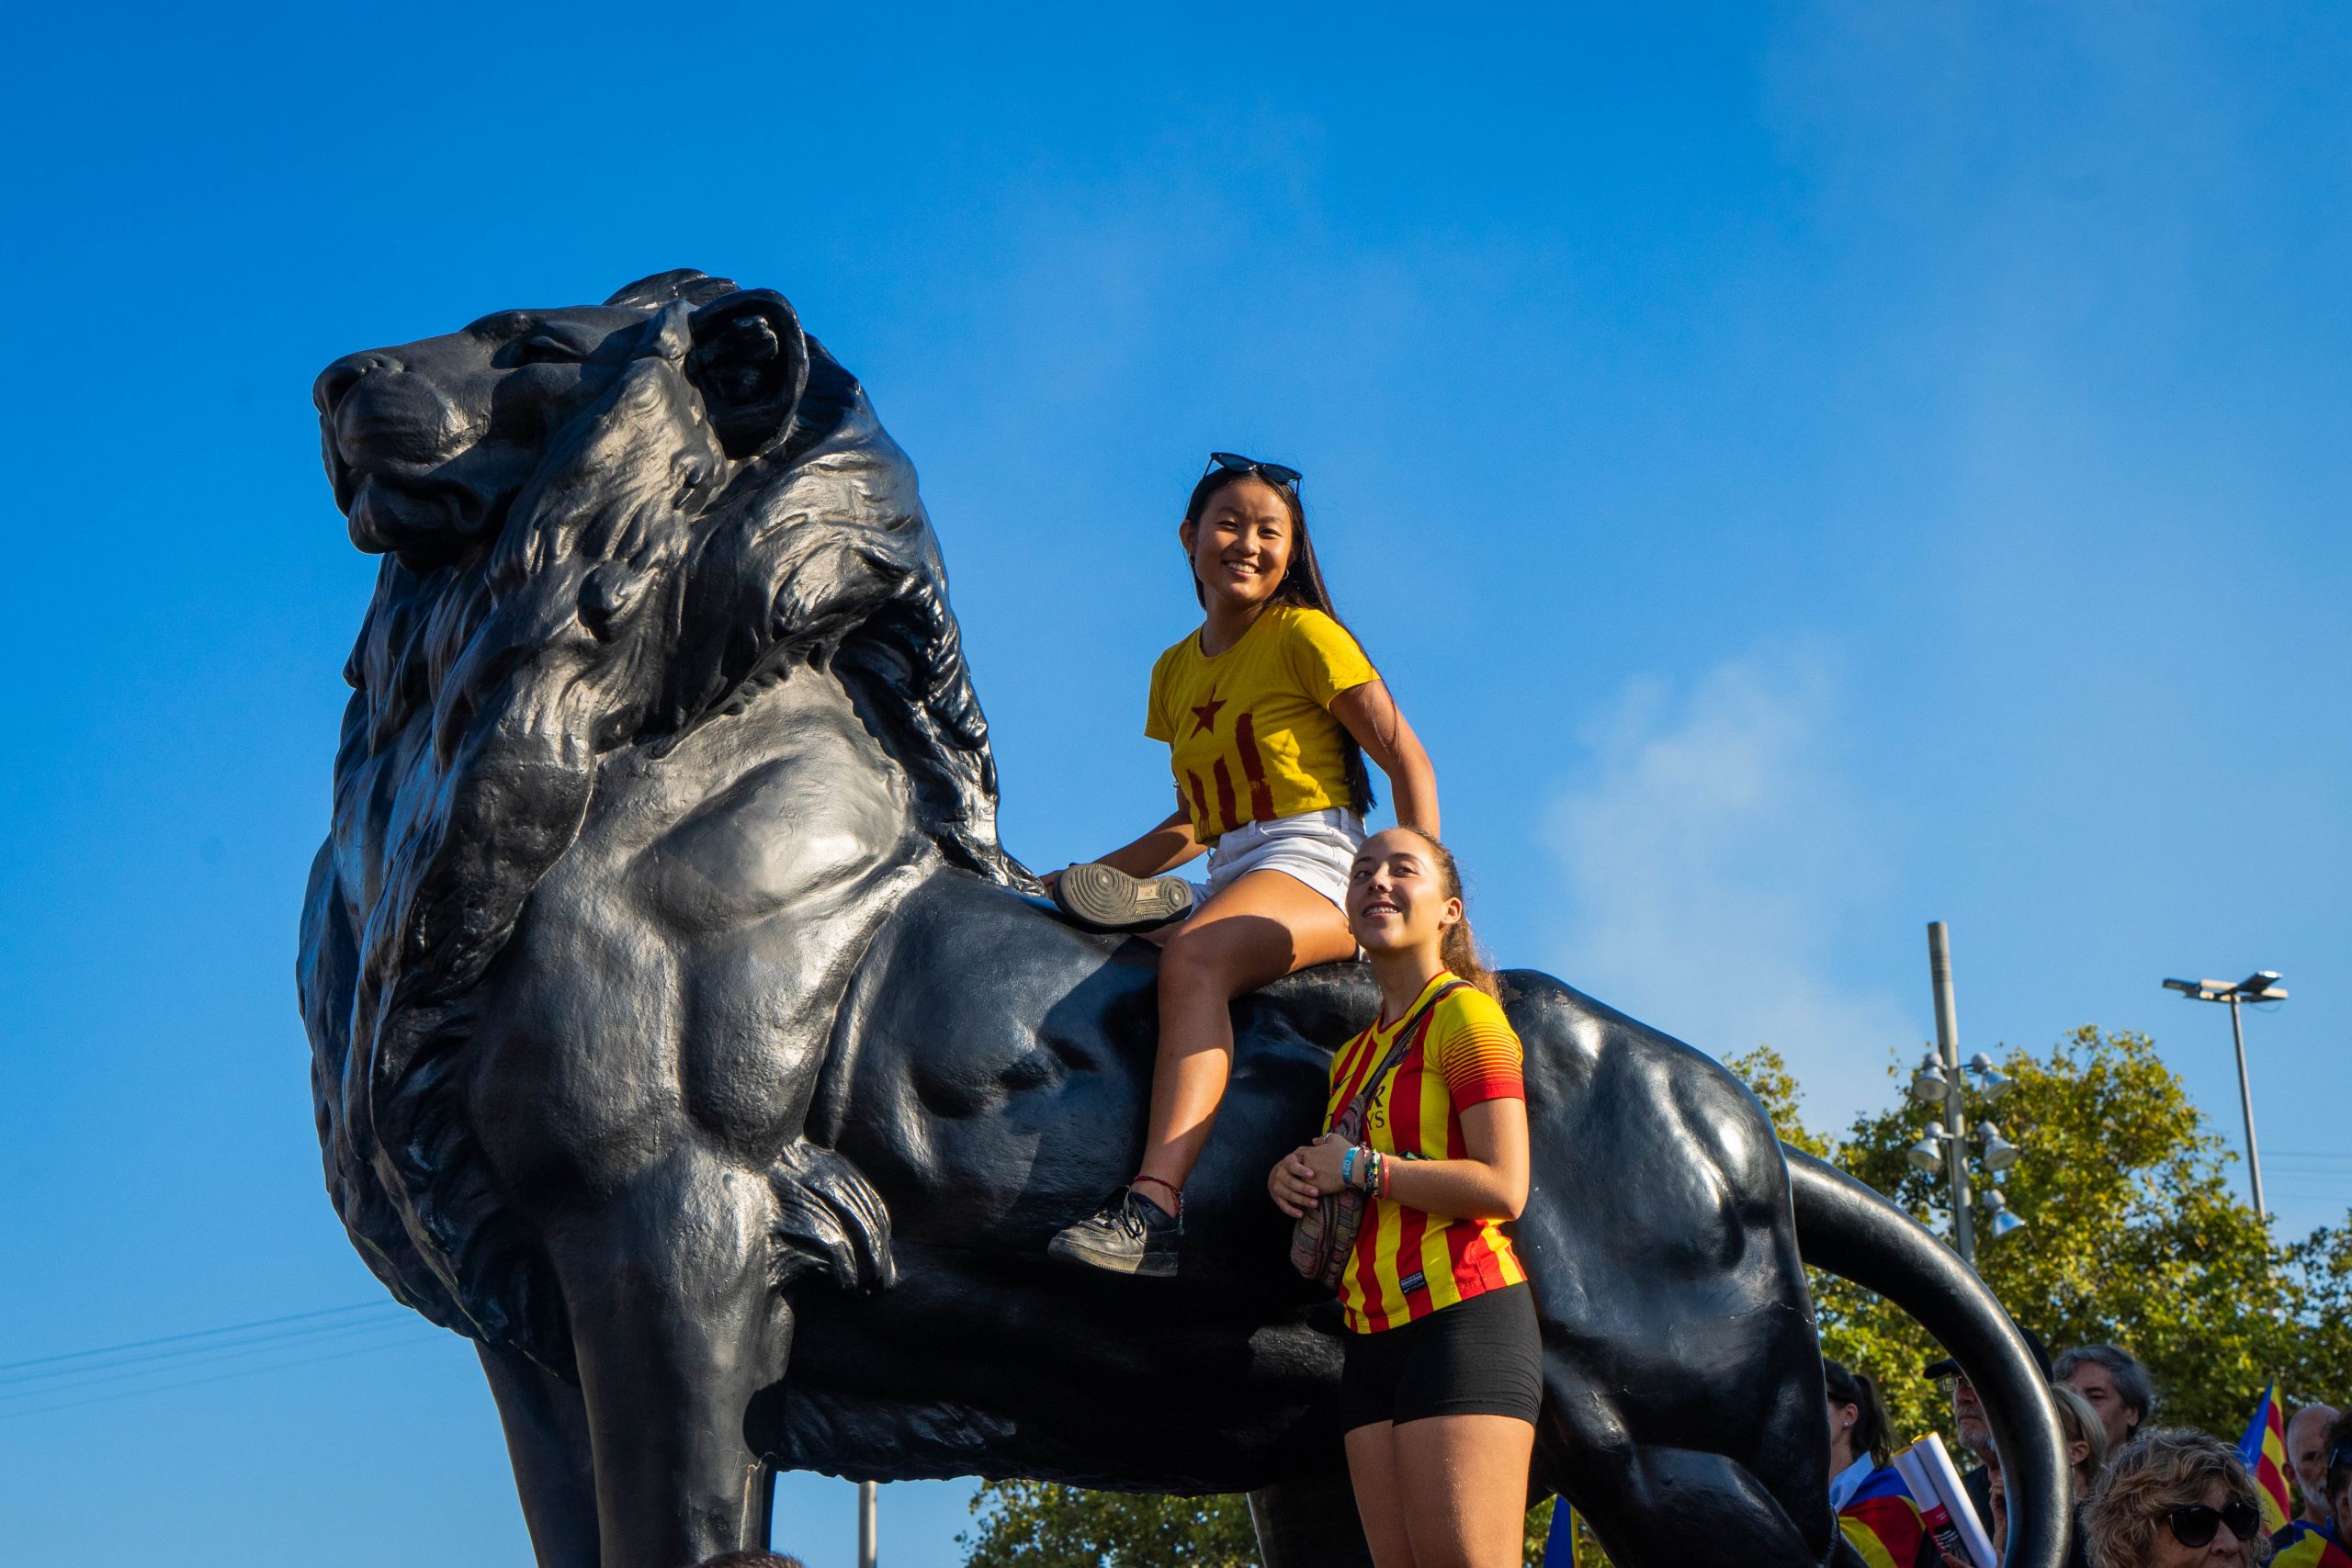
338, 379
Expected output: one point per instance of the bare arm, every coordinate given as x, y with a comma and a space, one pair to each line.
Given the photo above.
1371, 714
1490, 1184
1169, 845
1163, 849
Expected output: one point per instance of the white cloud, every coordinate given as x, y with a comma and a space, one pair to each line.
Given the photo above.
1716, 859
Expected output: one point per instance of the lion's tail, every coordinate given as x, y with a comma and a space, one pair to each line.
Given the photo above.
1846, 1228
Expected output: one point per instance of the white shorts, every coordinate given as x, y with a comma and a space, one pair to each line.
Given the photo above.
1316, 847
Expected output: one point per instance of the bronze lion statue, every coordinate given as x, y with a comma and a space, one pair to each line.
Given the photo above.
685, 1038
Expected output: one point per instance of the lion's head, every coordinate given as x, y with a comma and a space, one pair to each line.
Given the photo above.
429, 444
603, 527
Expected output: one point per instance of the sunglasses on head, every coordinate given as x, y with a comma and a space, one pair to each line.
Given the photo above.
1235, 463
2194, 1524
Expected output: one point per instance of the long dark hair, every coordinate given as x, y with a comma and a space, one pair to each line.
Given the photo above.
1458, 949
1870, 1435
1302, 585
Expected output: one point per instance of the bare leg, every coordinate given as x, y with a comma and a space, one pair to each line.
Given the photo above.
1371, 1465
1258, 930
1462, 1481
546, 1438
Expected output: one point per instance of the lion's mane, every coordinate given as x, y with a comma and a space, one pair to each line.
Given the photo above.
640, 585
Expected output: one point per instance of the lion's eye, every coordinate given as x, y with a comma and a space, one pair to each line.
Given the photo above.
542, 349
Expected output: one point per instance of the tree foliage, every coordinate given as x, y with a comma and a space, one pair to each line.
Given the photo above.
2134, 1237
1036, 1524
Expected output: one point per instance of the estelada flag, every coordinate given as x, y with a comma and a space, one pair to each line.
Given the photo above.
2263, 1450
2308, 1545
1882, 1523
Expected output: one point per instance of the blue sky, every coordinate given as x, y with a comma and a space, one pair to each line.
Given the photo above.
1807, 471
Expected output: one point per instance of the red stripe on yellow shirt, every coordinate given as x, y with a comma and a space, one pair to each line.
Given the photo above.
1409, 1263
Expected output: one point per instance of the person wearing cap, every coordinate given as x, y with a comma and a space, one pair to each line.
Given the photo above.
1972, 1430
2115, 1382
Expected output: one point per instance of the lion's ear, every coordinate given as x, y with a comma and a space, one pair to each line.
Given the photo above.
751, 364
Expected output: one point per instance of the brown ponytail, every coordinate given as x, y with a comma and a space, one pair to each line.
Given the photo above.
1458, 949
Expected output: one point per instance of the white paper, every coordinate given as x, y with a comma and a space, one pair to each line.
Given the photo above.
1936, 1469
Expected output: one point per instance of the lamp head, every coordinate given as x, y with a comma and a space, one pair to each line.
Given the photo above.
1928, 1085
1998, 1221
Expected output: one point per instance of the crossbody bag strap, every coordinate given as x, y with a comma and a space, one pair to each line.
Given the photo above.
1408, 1036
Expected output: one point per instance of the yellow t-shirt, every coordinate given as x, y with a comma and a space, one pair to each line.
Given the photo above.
1251, 732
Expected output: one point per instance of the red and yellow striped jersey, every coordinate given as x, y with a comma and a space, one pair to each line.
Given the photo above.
1409, 1263
1250, 733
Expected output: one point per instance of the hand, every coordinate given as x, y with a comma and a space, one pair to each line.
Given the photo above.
1291, 1184
1322, 1158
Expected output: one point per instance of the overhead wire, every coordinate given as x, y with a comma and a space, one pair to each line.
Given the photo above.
42, 1384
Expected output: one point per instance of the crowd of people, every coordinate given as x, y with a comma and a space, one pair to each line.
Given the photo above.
2144, 1497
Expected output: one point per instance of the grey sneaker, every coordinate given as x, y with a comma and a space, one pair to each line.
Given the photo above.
1109, 899
1128, 1235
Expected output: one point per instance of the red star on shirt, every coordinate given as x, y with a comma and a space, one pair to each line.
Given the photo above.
1205, 715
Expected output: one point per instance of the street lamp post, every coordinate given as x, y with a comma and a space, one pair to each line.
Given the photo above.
868, 1508
1940, 1082
2262, 985
1964, 1217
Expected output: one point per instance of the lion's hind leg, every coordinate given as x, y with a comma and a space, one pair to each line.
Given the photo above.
1310, 1523
545, 1420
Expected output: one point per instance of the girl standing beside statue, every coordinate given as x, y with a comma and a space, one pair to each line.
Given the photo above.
1269, 710
1443, 1372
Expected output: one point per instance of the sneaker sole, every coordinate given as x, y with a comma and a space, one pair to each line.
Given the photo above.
1144, 1268
1109, 899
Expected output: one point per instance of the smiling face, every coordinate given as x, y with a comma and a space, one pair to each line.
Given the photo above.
1397, 897
1241, 544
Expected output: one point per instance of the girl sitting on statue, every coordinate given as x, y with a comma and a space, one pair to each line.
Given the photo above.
1269, 710
1443, 1374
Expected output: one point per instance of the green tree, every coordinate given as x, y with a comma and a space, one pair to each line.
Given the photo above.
1036, 1524
2134, 1237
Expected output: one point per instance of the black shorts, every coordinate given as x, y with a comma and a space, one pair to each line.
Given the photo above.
1481, 1356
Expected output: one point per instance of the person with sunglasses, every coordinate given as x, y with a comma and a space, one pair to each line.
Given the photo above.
1269, 709
2177, 1499
2306, 1542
